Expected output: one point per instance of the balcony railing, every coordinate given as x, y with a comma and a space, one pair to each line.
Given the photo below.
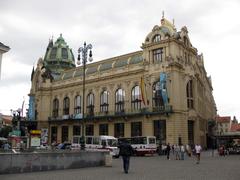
127, 112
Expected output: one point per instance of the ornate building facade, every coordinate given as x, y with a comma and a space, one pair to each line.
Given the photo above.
162, 90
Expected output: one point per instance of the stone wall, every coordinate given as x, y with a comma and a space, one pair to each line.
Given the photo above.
45, 161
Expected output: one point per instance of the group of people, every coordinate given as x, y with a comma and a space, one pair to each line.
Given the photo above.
126, 151
179, 151
222, 150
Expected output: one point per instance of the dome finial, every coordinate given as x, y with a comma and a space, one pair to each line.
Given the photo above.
162, 14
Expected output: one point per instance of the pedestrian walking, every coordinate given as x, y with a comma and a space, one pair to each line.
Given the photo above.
126, 151
177, 152
182, 151
168, 149
6, 146
198, 150
173, 149
188, 150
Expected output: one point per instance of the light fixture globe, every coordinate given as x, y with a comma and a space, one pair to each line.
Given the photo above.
90, 59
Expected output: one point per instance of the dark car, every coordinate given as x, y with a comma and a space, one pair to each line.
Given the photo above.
64, 146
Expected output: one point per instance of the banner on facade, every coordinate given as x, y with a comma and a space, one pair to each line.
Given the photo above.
44, 136
163, 87
144, 92
31, 109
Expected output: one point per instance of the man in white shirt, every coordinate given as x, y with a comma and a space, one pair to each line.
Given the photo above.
198, 150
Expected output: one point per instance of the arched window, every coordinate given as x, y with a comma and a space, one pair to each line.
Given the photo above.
136, 98
189, 91
53, 53
157, 95
90, 104
77, 105
55, 108
119, 100
104, 101
64, 53
157, 38
66, 104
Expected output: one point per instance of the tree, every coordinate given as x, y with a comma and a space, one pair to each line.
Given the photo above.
211, 126
5, 131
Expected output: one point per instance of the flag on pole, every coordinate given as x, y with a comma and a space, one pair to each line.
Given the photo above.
144, 92
22, 106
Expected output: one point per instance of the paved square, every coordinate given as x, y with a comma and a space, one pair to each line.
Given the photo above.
148, 168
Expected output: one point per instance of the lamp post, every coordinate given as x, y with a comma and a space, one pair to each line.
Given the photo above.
84, 52
16, 118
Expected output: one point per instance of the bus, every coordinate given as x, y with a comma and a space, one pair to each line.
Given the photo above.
142, 145
99, 143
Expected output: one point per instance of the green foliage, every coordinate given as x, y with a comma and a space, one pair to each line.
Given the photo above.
5, 131
211, 123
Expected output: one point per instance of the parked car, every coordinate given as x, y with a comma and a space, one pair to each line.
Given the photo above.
64, 146
43, 146
234, 150
75, 146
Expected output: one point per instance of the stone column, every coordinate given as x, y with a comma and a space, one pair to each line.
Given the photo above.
3, 49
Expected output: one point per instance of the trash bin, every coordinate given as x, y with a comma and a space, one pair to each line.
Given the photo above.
108, 160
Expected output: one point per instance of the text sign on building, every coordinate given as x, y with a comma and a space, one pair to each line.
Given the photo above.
35, 141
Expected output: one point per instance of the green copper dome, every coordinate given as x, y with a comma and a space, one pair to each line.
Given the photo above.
59, 56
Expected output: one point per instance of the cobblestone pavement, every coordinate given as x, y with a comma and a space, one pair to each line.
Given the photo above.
148, 168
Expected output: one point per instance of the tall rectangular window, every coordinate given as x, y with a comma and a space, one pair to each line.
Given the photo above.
189, 91
136, 129
90, 104
53, 53
103, 129
64, 53
119, 100
89, 130
158, 55
55, 108
104, 101
118, 130
77, 105
76, 130
66, 106
190, 132
53, 134
159, 130
64, 133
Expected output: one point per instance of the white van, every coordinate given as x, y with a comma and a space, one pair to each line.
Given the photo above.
142, 144
99, 143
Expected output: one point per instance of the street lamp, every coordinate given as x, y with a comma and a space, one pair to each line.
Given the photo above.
84, 52
16, 118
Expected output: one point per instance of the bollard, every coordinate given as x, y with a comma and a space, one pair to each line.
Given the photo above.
108, 160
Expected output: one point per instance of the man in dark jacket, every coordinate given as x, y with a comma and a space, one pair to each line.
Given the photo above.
168, 149
126, 151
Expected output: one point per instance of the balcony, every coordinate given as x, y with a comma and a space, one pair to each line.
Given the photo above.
125, 113
135, 112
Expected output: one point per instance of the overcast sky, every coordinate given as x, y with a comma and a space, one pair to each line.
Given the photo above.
115, 28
